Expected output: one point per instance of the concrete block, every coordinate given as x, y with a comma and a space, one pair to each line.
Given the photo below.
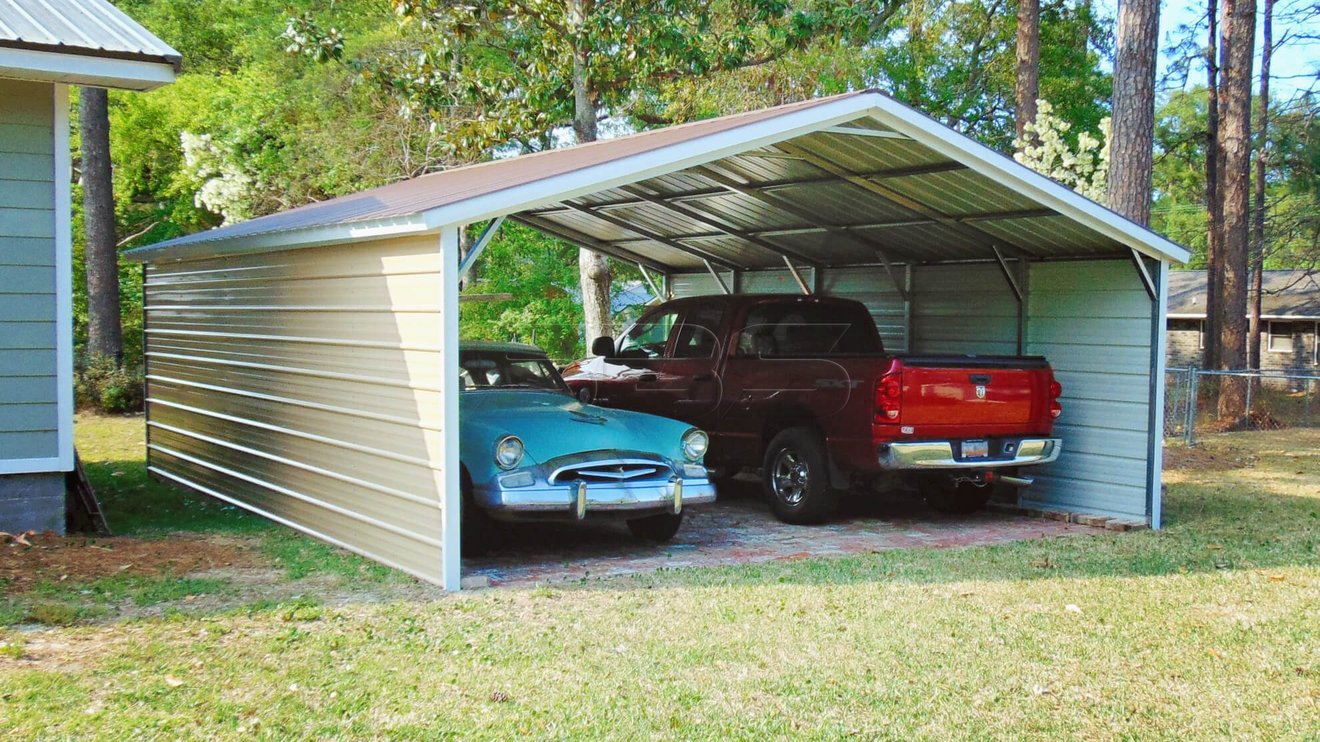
32, 502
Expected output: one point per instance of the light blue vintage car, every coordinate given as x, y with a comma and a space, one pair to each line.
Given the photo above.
531, 451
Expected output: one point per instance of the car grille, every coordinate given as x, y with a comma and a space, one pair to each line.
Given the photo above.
613, 472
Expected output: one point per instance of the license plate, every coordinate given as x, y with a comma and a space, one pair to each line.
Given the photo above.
975, 449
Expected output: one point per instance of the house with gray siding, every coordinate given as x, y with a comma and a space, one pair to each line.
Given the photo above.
1290, 320
45, 47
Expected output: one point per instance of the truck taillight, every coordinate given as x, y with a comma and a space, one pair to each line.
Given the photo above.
1056, 391
889, 397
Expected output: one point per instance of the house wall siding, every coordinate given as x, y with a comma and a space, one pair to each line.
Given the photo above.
29, 416
1184, 339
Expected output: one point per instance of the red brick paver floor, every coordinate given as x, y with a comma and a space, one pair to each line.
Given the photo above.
739, 529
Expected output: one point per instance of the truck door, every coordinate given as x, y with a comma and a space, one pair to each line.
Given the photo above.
680, 381
695, 388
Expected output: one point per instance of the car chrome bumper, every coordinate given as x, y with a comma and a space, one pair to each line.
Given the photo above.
939, 455
582, 498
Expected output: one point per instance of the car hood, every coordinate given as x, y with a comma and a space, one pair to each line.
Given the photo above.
553, 424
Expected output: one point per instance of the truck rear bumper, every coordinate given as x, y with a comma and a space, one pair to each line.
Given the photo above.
940, 455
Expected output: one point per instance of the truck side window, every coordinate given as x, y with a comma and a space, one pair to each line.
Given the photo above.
804, 330
697, 335
648, 337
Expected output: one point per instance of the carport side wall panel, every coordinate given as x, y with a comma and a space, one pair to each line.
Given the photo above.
1092, 320
308, 386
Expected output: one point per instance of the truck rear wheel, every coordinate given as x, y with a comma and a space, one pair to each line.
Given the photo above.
949, 494
796, 477
658, 528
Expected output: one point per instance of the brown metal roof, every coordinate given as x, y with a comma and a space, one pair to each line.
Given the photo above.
1285, 293
845, 180
409, 197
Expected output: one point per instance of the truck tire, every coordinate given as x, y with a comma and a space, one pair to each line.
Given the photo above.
948, 495
656, 528
796, 477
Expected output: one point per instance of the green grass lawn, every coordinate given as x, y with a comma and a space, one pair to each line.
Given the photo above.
1210, 628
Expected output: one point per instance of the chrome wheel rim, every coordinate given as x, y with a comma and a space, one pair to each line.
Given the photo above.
790, 477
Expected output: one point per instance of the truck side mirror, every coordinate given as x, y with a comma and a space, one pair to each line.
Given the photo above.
603, 346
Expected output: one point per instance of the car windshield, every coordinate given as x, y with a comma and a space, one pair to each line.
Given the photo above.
488, 369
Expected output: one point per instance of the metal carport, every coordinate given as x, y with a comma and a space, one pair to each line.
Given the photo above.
302, 364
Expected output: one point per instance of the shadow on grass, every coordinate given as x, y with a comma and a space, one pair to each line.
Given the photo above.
1249, 518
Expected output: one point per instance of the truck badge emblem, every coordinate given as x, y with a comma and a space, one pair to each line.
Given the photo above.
980, 391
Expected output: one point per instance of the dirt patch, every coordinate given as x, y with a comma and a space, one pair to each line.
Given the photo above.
30, 559
1207, 458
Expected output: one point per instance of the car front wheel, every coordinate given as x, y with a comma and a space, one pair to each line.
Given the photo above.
657, 528
796, 477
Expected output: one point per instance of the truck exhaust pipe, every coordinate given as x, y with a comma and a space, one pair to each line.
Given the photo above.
1015, 480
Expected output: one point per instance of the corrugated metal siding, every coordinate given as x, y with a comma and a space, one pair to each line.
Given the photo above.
307, 386
29, 416
79, 26
1092, 320
963, 308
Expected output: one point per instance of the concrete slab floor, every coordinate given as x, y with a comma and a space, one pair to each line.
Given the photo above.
739, 529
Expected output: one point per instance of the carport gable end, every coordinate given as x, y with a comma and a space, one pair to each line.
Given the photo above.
942, 211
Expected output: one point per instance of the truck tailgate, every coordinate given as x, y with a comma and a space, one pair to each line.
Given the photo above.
973, 391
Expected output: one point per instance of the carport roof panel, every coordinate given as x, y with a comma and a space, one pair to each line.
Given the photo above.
852, 167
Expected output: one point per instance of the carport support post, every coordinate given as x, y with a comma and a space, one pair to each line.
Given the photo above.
451, 496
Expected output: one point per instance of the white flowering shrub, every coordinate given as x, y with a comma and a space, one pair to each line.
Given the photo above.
1044, 149
223, 187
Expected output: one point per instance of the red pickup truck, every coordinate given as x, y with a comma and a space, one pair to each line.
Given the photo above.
801, 387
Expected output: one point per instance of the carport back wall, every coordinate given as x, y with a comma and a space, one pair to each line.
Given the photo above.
307, 385
1089, 318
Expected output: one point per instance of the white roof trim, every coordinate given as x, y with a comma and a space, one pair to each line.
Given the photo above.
287, 239
83, 69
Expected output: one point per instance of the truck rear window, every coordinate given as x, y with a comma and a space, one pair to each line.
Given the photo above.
807, 330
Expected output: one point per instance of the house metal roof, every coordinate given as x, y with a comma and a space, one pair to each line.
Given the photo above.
1290, 294
82, 27
845, 180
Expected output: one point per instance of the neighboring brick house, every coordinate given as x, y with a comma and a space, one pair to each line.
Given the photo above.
1290, 320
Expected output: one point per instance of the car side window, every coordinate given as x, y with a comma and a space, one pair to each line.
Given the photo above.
697, 336
647, 338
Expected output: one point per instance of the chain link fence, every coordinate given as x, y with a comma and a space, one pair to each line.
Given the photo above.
1273, 401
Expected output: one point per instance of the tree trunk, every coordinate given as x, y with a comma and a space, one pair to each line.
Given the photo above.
1132, 143
1262, 160
1028, 65
1239, 30
104, 333
593, 268
1213, 220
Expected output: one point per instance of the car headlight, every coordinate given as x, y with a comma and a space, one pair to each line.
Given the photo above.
695, 443
509, 452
